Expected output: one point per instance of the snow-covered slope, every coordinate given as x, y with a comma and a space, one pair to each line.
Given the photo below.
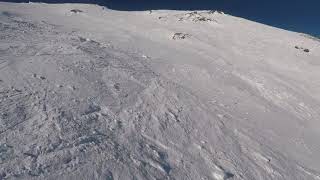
91, 93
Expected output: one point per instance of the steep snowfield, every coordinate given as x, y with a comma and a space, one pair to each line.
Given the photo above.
100, 94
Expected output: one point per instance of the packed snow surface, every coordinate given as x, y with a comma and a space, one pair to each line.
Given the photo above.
91, 93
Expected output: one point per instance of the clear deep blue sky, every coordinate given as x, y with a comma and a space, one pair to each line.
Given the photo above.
300, 16
295, 15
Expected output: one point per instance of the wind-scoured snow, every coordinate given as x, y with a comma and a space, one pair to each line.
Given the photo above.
92, 93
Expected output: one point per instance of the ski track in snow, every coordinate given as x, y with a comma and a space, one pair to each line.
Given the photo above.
77, 106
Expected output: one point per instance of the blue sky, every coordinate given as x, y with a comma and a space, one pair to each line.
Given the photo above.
296, 15
300, 16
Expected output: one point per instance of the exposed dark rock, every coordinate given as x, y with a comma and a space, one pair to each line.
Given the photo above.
76, 11
177, 36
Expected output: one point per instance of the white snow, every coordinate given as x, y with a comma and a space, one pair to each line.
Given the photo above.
105, 94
